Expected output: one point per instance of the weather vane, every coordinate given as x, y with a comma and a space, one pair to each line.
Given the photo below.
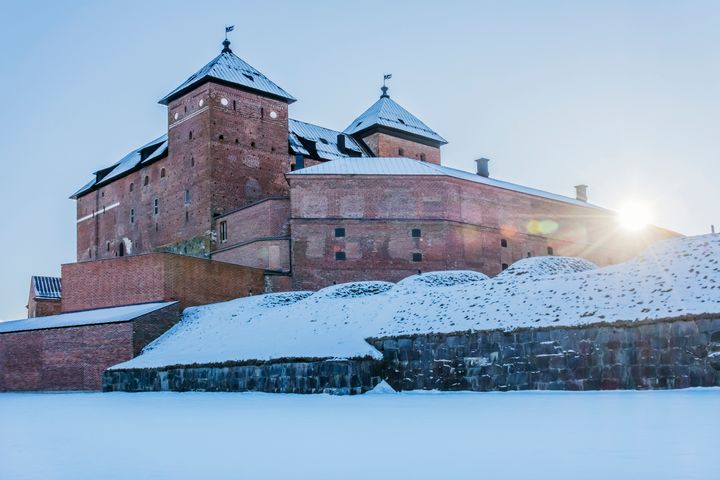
384, 88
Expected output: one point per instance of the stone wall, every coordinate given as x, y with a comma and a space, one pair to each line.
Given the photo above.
662, 354
654, 355
309, 376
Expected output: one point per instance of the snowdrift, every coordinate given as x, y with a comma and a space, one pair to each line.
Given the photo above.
673, 278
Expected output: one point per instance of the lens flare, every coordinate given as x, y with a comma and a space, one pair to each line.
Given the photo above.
634, 215
541, 227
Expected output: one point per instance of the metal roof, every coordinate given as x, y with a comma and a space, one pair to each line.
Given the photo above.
229, 68
409, 166
86, 317
388, 113
323, 140
140, 156
46, 287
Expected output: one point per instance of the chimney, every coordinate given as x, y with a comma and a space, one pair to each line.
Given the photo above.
482, 167
581, 192
341, 143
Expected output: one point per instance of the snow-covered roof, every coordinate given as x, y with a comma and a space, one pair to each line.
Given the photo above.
46, 287
672, 278
305, 137
85, 317
139, 157
229, 68
409, 166
388, 113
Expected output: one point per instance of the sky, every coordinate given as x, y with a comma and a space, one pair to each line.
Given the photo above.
621, 96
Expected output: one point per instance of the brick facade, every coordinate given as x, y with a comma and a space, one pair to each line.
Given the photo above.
256, 236
385, 145
155, 277
73, 358
42, 307
461, 225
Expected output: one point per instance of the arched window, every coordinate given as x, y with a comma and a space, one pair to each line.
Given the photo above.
146, 181
162, 173
121, 249
132, 186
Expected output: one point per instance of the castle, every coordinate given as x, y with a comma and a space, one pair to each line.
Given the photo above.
238, 199
237, 180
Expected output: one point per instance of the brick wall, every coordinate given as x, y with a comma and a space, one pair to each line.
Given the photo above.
70, 358
73, 358
257, 236
224, 156
462, 225
155, 277
384, 145
41, 307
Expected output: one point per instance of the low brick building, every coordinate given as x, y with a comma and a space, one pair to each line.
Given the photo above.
156, 277
45, 295
70, 351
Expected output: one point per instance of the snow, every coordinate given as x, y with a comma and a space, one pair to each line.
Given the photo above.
87, 317
541, 266
660, 435
673, 278
381, 388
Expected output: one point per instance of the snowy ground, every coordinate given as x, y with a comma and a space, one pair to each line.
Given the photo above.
532, 435
673, 278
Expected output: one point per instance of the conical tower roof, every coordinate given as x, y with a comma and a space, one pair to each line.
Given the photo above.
229, 69
389, 114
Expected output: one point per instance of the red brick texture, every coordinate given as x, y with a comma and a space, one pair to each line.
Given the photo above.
257, 236
384, 145
223, 156
462, 225
155, 277
73, 358
41, 307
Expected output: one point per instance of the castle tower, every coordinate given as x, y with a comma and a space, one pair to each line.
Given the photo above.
389, 130
229, 124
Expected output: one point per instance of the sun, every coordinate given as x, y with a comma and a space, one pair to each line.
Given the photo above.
634, 215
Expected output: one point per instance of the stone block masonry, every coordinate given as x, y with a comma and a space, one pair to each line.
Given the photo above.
675, 353
661, 354
282, 376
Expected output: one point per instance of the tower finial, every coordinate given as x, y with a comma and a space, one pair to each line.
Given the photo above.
226, 42
384, 88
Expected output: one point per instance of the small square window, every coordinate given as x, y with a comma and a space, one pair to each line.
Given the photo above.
550, 251
504, 266
416, 233
340, 232
503, 243
417, 257
340, 256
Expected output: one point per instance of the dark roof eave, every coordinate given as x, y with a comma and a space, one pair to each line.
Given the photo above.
176, 94
398, 133
101, 183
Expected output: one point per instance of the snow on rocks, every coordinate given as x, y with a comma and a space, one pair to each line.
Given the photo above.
381, 388
541, 266
673, 278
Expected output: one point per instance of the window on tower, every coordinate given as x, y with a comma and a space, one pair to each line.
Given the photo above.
156, 206
223, 232
162, 173
503, 243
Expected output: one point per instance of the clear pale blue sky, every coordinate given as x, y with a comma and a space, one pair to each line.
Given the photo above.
623, 96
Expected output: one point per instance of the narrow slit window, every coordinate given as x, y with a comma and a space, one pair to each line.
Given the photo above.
156, 206
223, 232
132, 215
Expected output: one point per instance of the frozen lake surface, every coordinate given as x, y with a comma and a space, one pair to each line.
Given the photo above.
524, 435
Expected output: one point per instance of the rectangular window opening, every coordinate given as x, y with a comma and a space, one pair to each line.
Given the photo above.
223, 232
417, 257
340, 256
416, 233
339, 232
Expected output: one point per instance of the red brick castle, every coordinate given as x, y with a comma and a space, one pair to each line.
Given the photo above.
238, 198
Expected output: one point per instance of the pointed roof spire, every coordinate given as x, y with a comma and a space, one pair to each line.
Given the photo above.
389, 115
229, 69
